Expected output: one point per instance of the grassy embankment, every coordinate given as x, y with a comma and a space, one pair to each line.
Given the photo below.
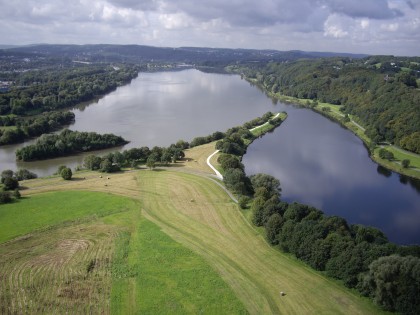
86, 250
334, 113
150, 277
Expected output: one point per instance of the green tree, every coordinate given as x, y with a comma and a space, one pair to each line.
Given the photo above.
243, 201
273, 227
385, 154
6, 174
271, 183
151, 161
16, 193
66, 173
405, 163
24, 174
10, 183
92, 162
5, 197
166, 157
394, 283
106, 166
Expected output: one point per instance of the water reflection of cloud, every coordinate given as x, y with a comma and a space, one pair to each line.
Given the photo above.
294, 153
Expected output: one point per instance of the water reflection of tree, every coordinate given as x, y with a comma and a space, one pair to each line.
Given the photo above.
415, 183
383, 171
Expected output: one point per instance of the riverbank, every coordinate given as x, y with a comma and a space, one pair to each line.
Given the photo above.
196, 213
351, 123
257, 131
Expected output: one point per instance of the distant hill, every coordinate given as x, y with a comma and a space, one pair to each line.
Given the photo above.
140, 53
8, 46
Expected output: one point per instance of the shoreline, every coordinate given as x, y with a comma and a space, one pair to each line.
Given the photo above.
394, 165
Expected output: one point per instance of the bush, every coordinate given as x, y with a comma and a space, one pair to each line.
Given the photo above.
10, 183
5, 197
24, 174
6, 174
243, 202
386, 155
405, 163
66, 173
17, 194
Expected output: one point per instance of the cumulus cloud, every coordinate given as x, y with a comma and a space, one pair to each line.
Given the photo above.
393, 25
377, 9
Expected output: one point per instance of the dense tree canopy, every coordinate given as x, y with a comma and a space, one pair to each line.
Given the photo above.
67, 142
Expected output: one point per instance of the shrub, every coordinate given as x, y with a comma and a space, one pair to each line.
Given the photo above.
66, 173
10, 183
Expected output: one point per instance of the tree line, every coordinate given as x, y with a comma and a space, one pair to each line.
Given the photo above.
43, 90
360, 256
35, 126
114, 161
381, 91
10, 184
66, 143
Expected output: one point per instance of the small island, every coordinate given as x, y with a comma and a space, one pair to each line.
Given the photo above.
66, 143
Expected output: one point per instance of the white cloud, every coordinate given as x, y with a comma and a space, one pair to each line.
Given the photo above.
175, 20
372, 26
334, 27
364, 23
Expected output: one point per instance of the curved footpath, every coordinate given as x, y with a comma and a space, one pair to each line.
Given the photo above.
218, 175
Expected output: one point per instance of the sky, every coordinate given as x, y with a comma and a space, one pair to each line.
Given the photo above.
386, 27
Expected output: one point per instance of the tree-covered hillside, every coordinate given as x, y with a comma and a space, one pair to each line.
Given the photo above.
381, 91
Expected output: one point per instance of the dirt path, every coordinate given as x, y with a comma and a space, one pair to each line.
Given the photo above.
218, 175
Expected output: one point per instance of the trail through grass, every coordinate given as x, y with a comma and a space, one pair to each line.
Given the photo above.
198, 213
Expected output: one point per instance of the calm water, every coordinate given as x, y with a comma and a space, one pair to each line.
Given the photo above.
317, 161
321, 164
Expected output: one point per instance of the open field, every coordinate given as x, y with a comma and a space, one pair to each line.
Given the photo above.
198, 214
64, 263
45, 210
89, 263
153, 274
197, 217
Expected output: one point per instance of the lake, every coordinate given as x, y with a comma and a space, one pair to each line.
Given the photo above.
317, 161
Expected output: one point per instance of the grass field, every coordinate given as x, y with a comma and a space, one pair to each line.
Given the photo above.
198, 214
152, 274
88, 260
62, 259
48, 209
188, 250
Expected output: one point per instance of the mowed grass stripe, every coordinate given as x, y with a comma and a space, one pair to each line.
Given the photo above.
171, 279
49, 209
186, 232
255, 271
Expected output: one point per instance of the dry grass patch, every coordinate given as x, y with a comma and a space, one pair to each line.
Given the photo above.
196, 158
58, 271
123, 183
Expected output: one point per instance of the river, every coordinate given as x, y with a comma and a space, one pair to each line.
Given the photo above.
317, 161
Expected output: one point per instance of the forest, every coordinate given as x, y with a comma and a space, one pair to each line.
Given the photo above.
33, 126
66, 143
381, 91
38, 91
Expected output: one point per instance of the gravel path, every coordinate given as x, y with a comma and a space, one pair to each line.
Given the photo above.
218, 175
